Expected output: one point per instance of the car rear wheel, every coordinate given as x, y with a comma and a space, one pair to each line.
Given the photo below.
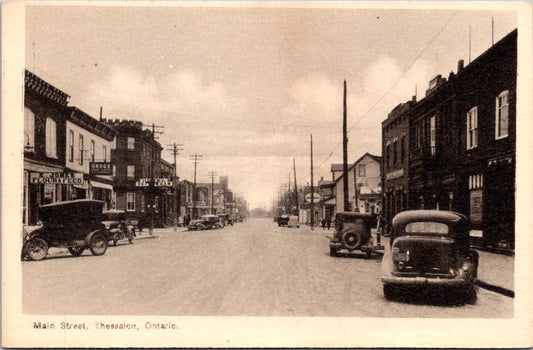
389, 291
351, 239
76, 251
333, 252
98, 244
37, 249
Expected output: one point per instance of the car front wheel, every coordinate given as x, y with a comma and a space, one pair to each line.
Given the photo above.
389, 291
98, 244
37, 249
332, 251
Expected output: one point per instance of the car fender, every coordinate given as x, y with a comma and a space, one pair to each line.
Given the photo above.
87, 238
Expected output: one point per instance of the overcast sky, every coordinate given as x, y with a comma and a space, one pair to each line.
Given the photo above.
245, 87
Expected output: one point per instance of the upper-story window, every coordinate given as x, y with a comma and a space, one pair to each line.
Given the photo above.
29, 130
362, 170
387, 151
395, 151
71, 145
433, 135
402, 148
93, 150
51, 146
104, 153
502, 115
471, 128
80, 149
131, 142
131, 171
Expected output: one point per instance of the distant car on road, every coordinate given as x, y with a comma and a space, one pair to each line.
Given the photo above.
283, 220
205, 222
75, 225
352, 231
430, 249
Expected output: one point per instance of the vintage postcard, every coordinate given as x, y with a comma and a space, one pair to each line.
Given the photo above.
266, 174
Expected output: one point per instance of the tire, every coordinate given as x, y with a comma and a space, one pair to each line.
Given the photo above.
389, 291
368, 253
36, 249
115, 242
333, 252
351, 239
98, 244
76, 251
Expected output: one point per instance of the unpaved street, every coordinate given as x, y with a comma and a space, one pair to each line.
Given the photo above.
254, 268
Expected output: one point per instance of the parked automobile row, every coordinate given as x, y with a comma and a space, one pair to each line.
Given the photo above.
76, 225
211, 221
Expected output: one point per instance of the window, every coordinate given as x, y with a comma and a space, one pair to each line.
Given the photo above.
388, 154
130, 201
114, 170
362, 170
418, 136
502, 115
131, 171
131, 142
402, 148
51, 149
426, 227
395, 151
93, 149
471, 128
29, 130
475, 181
80, 149
70, 145
104, 152
433, 135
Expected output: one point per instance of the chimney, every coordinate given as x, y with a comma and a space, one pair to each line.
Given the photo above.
460, 66
413, 99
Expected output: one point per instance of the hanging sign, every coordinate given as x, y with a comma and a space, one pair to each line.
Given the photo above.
101, 168
158, 182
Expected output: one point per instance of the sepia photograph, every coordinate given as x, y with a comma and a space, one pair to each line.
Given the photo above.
266, 174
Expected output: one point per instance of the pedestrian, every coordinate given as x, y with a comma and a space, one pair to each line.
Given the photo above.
323, 224
328, 222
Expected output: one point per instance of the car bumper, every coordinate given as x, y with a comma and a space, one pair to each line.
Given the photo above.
425, 281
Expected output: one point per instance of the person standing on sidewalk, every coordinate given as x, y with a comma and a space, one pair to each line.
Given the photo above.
328, 222
323, 222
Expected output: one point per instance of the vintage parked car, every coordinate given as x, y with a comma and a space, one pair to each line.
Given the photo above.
76, 225
225, 219
352, 232
118, 226
293, 221
205, 222
430, 248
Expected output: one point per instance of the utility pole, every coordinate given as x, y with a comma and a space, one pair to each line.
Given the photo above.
296, 188
151, 187
312, 190
345, 154
212, 174
176, 185
289, 195
196, 159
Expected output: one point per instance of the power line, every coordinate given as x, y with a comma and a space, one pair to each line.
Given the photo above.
393, 85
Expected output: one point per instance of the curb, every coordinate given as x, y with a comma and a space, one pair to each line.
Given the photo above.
493, 288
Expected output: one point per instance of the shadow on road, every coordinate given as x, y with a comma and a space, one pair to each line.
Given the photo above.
435, 297
358, 255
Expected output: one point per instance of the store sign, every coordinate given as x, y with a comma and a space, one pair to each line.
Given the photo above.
476, 206
158, 182
316, 197
394, 174
101, 168
57, 178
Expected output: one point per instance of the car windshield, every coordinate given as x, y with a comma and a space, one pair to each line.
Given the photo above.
426, 227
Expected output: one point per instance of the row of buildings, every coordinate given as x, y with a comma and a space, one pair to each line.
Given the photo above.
455, 149
70, 155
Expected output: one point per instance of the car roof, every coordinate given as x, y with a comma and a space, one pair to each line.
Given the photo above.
443, 216
354, 214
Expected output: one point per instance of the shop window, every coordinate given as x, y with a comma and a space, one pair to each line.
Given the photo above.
502, 115
71, 146
131, 142
130, 201
51, 147
471, 128
29, 130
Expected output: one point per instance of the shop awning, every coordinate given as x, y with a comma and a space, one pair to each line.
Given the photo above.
101, 185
